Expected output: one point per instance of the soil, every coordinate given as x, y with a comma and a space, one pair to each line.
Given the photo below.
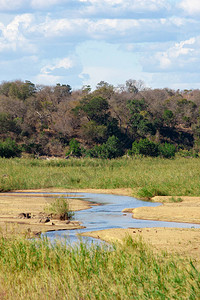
186, 211
186, 242
29, 214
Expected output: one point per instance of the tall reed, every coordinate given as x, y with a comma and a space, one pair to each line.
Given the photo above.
38, 270
146, 176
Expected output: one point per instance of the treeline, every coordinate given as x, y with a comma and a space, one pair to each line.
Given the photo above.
107, 122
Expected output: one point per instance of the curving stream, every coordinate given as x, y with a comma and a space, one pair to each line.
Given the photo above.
109, 215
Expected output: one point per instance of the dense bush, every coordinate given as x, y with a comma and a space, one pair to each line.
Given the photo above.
74, 148
167, 150
145, 147
148, 148
111, 149
9, 148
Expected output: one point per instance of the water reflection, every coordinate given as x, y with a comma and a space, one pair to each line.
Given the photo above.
109, 215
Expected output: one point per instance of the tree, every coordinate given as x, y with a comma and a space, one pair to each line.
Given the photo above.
145, 147
9, 148
74, 148
95, 109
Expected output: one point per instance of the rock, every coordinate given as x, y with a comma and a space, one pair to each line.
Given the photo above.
45, 220
25, 216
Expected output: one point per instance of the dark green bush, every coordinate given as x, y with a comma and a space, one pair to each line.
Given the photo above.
74, 148
9, 148
111, 149
167, 150
145, 147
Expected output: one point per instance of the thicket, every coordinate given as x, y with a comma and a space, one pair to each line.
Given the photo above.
9, 148
105, 123
148, 148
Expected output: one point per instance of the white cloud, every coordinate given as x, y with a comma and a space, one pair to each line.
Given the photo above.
112, 30
141, 5
42, 4
182, 56
191, 7
65, 63
46, 79
10, 5
12, 36
177, 54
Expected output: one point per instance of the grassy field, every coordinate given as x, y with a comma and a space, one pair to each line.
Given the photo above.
36, 270
147, 177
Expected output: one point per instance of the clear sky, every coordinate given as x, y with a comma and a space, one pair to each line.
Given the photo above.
81, 42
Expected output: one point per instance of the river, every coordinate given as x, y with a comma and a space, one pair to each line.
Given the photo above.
109, 215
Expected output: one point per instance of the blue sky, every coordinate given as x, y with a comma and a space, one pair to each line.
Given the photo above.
81, 42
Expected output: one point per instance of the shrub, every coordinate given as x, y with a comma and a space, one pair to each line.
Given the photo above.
60, 208
9, 148
111, 149
167, 150
145, 147
74, 148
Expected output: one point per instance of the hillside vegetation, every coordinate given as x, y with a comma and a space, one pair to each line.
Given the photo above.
104, 123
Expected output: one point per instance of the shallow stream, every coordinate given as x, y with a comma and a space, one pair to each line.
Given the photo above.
109, 215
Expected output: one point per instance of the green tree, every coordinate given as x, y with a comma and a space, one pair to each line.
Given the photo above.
9, 148
96, 109
145, 147
167, 150
74, 148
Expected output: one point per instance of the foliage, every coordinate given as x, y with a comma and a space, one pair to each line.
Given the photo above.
167, 150
53, 115
168, 117
145, 147
110, 149
94, 133
9, 148
96, 109
60, 208
149, 148
74, 148
175, 199
7, 124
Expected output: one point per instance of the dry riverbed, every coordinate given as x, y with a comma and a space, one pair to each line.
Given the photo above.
29, 213
184, 241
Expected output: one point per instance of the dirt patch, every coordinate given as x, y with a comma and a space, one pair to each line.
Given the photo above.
184, 209
187, 211
185, 242
121, 191
26, 213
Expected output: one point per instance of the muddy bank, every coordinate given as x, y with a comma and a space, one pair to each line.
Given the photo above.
27, 213
186, 209
185, 242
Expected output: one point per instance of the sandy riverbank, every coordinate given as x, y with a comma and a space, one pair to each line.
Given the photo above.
14, 208
187, 211
184, 241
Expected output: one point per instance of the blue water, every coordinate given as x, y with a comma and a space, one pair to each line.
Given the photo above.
109, 215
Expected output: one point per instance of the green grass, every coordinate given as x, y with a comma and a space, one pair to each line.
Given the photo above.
146, 176
37, 270
60, 209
